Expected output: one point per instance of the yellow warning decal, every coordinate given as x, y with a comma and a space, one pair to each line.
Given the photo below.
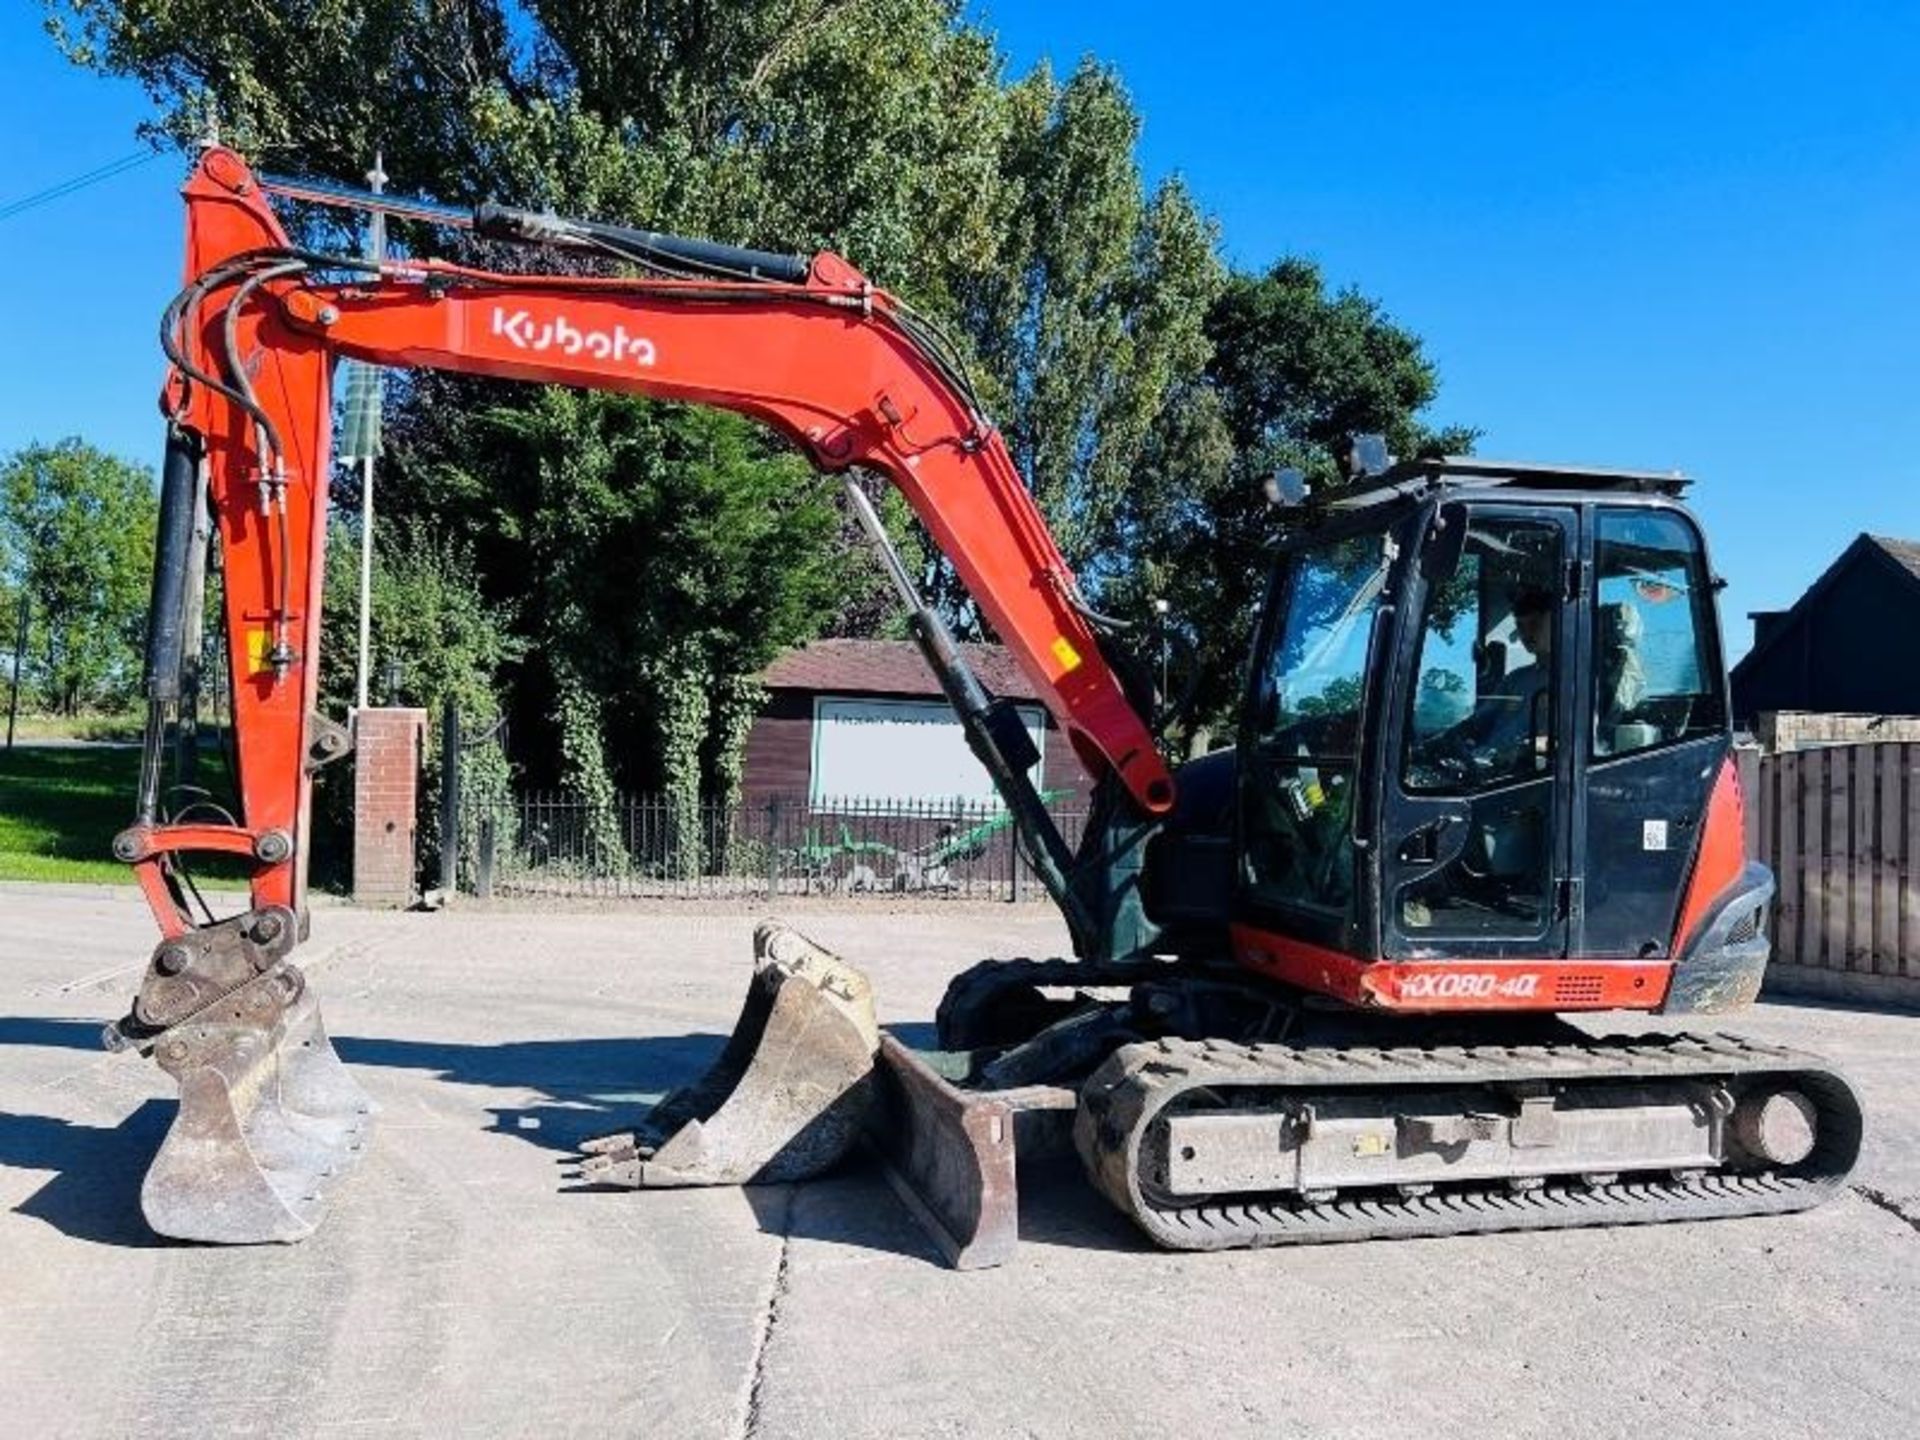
1064, 652
258, 643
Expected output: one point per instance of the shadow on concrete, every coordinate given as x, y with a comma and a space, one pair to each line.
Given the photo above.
95, 1191
587, 1087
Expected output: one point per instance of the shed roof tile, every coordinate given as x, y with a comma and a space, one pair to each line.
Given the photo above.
888, 667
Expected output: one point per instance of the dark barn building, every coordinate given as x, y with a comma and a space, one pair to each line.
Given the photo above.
850, 720
1850, 644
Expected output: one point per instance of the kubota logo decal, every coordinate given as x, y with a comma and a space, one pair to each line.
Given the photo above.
523, 332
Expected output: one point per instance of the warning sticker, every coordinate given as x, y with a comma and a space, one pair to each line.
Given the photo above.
1653, 835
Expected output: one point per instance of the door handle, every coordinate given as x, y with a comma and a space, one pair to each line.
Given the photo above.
1422, 846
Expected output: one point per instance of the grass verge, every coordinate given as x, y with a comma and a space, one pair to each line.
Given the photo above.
124, 727
60, 808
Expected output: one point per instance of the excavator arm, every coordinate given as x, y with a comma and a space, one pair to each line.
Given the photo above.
842, 369
846, 372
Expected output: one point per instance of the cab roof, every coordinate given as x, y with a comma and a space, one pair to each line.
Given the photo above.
1408, 478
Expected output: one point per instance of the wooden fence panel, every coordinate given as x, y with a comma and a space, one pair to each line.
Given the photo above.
1839, 826
1910, 863
1813, 857
1863, 856
1781, 774
1889, 762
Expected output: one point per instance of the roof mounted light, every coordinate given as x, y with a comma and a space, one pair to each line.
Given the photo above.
1286, 487
1365, 457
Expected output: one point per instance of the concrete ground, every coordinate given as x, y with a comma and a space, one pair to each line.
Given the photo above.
455, 1291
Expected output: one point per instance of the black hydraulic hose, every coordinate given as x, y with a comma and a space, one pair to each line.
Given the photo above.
504, 222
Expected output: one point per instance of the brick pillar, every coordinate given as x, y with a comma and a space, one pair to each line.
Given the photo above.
386, 786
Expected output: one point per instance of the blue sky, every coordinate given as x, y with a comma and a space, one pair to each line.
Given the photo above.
1656, 236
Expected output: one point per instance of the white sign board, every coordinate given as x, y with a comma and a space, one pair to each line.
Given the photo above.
901, 752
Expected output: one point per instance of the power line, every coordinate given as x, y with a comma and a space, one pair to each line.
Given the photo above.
78, 182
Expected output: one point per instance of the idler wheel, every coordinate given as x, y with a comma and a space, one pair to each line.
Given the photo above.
1778, 1127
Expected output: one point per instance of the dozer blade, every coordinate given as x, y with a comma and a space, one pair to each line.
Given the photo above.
269, 1119
951, 1154
787, 1097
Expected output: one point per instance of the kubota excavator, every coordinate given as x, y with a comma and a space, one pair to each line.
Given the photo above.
1483, 779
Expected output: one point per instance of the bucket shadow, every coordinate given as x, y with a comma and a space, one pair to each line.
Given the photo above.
94, 1194
587, 1087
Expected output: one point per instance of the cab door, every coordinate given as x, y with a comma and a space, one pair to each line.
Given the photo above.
1476, 764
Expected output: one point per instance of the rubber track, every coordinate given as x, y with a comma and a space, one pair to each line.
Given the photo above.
1124, 1097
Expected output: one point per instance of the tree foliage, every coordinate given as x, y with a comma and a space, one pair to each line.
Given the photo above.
76, 536
667, 555
1293, 369
658, 551
432, 628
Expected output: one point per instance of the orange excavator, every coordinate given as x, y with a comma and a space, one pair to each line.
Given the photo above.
1320, 981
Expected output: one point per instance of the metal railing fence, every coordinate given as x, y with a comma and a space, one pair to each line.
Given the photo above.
649, 846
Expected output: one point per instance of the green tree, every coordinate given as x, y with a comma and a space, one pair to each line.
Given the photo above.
452, 646
1294, 370
663, 552
76, 535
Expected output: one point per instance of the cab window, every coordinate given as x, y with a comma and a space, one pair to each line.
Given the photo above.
1655, 675
1309, 699
1483, 696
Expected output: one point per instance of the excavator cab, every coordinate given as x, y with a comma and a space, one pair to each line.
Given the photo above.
1486, 721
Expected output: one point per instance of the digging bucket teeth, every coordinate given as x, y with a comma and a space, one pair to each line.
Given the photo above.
269, 1118
788, 1096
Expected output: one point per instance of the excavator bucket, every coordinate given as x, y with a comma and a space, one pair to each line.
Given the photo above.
269, 1119
788, 1096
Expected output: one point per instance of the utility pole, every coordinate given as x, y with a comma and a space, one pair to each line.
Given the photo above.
369, 442
19, 652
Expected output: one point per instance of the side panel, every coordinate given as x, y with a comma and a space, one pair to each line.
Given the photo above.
1422, 986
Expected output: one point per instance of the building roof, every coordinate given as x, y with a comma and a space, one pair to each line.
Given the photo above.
1881, 549
1906, 553
888, 667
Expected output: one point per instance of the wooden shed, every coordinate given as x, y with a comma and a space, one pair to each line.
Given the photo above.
1850, 643
853, 720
